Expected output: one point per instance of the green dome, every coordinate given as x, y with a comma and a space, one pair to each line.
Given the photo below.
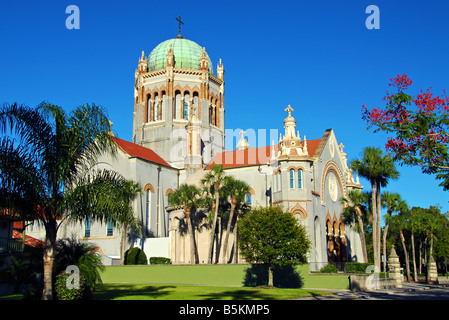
187, 54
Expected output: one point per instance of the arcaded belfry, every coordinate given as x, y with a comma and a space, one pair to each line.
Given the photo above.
172, 83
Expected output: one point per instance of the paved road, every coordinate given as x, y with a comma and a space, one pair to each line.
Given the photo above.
410, 291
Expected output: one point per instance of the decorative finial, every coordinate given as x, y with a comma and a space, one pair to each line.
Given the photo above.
179, 27
289, 109
242, 144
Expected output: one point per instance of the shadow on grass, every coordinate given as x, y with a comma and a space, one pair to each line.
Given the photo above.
237, 295
285, 277
129, 291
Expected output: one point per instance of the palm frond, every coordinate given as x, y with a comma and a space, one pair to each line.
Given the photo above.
103, 196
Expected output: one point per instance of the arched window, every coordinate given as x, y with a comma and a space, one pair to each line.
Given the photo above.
211, 113
178, 106
148, 210
216, 113
110, 229
87, 224
163, 106
292, 179
186, 105
148, 189
300, 179
148, 113
168, 192
196, 101
156, 107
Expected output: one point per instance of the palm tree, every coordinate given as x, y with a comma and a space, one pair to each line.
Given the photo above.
378, 169
354, 209
387, 171
401, 222
236, 191
111, 192
45, 161
393, 203
213, 182
72, 252
187, 196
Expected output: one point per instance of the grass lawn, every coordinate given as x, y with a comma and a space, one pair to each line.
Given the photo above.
210, 275
115, 291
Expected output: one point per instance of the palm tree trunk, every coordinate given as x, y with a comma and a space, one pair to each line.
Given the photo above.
415, 272
236, 238
385, 242
407, 261
48, 259
192, 239
379, 217
374, 220
270, 276
420, 255
362, 234
122, 245
212, 232
228, 230
431, 243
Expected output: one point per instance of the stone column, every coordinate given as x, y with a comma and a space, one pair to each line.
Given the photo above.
395, 269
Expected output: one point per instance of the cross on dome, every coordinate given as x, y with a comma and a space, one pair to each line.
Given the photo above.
289, 109
180, 23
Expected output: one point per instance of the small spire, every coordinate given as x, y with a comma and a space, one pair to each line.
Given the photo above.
242, 144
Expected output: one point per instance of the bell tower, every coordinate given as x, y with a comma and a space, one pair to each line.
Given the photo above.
179, 103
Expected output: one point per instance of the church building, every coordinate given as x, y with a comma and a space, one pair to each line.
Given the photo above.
179, 134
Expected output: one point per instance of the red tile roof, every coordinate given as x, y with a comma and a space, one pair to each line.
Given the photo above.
253, 156
29, 241
312, 146
135, 150
243, 158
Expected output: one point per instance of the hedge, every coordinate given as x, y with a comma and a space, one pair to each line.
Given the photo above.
135, 256
159, 260
357, 267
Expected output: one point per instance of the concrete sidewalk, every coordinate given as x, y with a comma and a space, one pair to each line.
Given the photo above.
409, 291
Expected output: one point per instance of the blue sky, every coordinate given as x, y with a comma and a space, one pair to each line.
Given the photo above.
317, 56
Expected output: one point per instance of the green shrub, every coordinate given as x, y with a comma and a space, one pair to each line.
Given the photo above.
159, 260
64, 293
357, 267
330, 268
135, 256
